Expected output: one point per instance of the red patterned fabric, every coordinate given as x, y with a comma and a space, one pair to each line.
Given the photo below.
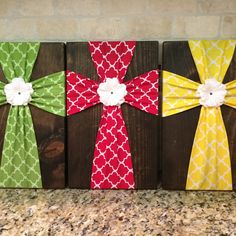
112, 163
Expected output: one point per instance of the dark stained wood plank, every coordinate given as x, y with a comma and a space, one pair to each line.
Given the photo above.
4, 109
229, 117
178, 130
49, 128
143, 129
81, 127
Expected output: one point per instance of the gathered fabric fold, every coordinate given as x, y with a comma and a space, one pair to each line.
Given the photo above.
20, 167
210, 165
179, 94
112, 163
49, 93
230, 98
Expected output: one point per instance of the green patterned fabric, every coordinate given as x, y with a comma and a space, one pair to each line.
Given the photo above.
17, 59
20, 166
49, 93
2, 95
20, 162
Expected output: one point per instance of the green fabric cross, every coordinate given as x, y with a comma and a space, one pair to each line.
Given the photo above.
19, 167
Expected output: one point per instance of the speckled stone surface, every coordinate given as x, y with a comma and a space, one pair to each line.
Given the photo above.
77, 212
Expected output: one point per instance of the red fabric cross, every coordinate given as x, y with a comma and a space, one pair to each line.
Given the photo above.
112, 163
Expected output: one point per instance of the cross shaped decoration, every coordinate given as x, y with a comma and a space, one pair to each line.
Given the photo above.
112, 163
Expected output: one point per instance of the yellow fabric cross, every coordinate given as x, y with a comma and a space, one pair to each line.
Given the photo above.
210, 165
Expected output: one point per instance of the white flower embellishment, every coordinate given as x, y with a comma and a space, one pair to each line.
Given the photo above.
212, 93
112, 92
18, 92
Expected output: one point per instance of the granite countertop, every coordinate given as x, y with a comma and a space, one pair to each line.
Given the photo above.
80, 212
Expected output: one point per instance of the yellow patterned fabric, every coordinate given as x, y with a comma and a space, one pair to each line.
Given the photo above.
210, 166
179, 94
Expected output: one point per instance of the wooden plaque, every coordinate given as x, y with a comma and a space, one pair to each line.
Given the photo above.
178, 130
49, 128
143, 129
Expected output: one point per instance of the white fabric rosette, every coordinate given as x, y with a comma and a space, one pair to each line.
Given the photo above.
18, 92
212, 93
112, 92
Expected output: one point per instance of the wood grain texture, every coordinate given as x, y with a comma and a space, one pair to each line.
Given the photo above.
178, 130
49, 128
143, 129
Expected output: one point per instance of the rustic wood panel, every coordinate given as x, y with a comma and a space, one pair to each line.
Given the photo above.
178, 130
229, 117
49, 128
143, 129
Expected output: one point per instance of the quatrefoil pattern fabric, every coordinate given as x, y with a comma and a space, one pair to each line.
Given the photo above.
20, 167
210, 165
112, 164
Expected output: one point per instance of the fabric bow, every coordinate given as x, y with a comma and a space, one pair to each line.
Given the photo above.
210, 166
20, 166
112, 163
